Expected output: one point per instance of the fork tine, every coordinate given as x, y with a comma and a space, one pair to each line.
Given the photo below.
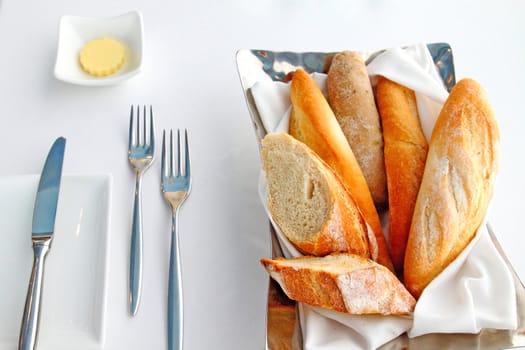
187, 171
174, 164
172, 159
167, 154
163, 156
179, 160
137, 130
144, 126
151, 128
131, 138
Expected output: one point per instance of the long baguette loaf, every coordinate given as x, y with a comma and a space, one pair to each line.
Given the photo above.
457, 184
308, 201
341, 282
405, 154
313, 122
351, 97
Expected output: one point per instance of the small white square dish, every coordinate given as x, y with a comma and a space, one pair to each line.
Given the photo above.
73, 312
75, 32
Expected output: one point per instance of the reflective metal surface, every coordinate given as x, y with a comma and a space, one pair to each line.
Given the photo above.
176, 186
141, 152
43, 229
47, 194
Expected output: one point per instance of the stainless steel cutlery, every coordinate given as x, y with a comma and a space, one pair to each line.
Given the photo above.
141, 153
176, 185
44, 216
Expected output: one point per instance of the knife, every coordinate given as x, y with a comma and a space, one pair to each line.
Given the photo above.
43, 228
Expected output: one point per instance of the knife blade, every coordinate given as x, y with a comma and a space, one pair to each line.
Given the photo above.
44, 215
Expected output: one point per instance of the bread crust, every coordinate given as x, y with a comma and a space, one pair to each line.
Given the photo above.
457, 184
343, 228
341, 282
405, 154
351, 97
313, 122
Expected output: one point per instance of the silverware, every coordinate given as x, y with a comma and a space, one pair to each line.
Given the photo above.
44, 216
141, 151
176, 185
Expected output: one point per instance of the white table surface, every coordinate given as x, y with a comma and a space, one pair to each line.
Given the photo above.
191, 80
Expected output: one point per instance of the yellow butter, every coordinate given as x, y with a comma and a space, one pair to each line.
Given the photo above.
102, 57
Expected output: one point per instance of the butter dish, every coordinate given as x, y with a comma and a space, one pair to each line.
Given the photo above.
76, 31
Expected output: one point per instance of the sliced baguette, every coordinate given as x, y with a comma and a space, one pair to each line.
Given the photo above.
308, 201
341, 282
405, 154
457, 184
313, 122
351, 97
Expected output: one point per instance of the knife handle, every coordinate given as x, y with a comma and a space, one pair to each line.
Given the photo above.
29, 328
135, 262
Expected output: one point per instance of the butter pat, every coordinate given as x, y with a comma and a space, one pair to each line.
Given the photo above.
102, 57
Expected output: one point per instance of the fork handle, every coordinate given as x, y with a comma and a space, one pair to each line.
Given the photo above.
175, 304
135, 263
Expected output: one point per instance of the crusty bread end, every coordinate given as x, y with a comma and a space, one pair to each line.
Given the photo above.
307, 200
341, 282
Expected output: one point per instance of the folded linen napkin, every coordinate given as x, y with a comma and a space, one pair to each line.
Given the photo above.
476, 291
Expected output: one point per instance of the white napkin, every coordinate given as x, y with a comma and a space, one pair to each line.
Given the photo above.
476, 291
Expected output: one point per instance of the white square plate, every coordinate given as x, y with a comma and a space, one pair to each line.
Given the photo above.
72, 314
75, 32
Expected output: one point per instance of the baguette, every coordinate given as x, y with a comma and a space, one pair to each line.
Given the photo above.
351, 97
308, 201
457, 184
341, 282
313, 122
405, 154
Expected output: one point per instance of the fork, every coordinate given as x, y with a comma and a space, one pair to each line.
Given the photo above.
141, 152
176, 186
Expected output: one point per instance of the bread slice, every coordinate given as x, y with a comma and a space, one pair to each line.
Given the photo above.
457, 184
341, 282
308, 201
351, 97
405, 154
313, 122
